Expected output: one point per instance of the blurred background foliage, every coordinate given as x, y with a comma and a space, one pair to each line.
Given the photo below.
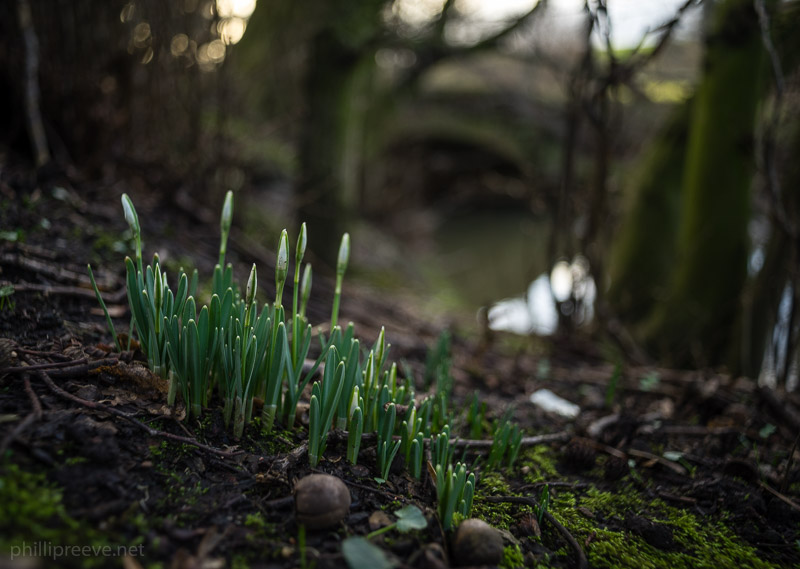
628, 164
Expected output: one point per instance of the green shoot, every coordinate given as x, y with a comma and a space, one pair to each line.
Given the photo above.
273, 369
409, 428
301, 546
387, 446
544, 503
505, 443
197, 343
103, 306
299, 252
412, 439
281, 267
454, 492
296, 379
5, 297
225, 226
306, 290
133, 222
441, 450
356, 429
341, 267
415, 462
352, 372
324, 399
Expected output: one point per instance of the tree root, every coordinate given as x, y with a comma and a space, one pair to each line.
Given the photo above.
117, 413
33, 416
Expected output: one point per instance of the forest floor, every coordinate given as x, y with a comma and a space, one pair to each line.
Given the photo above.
660, 468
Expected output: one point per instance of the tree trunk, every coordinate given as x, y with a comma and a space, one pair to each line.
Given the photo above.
331, 149
643, 253
693, 325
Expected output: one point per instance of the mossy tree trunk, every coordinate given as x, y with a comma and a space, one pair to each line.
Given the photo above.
694, 323
340, 64
643, 254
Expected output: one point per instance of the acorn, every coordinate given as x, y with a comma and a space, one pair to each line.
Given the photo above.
321, 501
477, 543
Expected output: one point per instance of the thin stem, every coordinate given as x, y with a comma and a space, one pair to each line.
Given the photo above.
105, 310
380, 531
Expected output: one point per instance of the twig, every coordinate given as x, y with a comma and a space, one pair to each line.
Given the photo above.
553, 484
113, 298
526, 441
677, 498
49, 270
34, 415
380, 491
674, 466
768, 136
581, 561
291, 459
49, 354
667, 30
65, 369
117, 413
279, 503
32, 94
779, 496
340, 436
49, 365
698, 430
615, 452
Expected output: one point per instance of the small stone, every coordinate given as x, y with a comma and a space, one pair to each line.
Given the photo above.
379, 519
321, 501
477, 543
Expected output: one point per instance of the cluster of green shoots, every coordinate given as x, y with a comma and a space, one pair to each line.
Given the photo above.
229, 345
241, 352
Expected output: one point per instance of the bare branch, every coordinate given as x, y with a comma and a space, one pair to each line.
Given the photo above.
441, 22
430, 53
32, 94
493, 40
767, 154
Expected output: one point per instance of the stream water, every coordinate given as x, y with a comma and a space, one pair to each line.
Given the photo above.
498, 259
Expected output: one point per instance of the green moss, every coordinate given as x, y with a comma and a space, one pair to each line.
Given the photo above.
494, 484
538, 464
701, 544
240, 562
501, 515
512, 557
260, 527
73, 460
34, 521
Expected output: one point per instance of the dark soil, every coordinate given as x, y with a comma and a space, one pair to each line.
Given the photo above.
667, 469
